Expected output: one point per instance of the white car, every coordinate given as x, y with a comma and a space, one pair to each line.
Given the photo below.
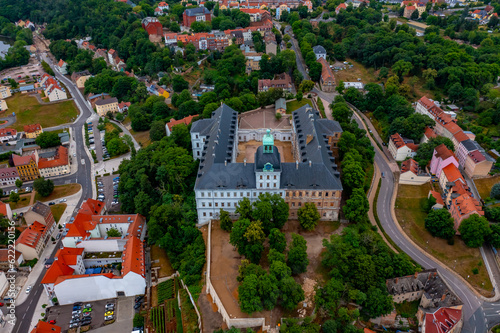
62, 200
28, 289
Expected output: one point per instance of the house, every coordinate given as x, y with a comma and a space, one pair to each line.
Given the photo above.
53, 164
3, 105
447, 320
103, 106
67, 261
123, 107
319, 52
170, 125
113, 57
281, 9
256, 14
340, 7
163, 5
464, 148
170, 38
458, 137
5, 210
280, 106
6, 262
26, 166
400, 148
327, 80
52, 89
101, 53
309, 5
252, 61
44, 327
200, 14
152, 26
312, 178
8, 135
80, 78
411, 174
280, 81
5, 92
428, 134
62, 66
39, 212
441, 158
32, 131
477, 164
33, 239
8, 175
159, 12
463, 207
450, 174
439, 200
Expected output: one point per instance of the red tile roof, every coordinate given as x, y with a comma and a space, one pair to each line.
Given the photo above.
68, 277
476, 156
3, 208
443, 152
453, 128
467, 205
452, 173
32, 234
409, 165
61, 63
133, 257
442, 321
4, 255
397, 140
438, 197
44, 327
92, 206
429, 133
22, 160
69, 255
412, 146
460, 136
60, 159
7, 131
32, 128
57, 269
326, 71
187, 120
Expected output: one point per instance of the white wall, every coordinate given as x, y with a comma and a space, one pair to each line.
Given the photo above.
4, 284
102, 245
258, 134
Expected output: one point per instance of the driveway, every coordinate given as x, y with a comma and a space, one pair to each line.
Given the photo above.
124, 319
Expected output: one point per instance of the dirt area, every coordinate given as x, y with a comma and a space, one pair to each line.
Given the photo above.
247, 151
225, 255
484, 185
159, 259
263, 118
459, 257
142, 138
358, 71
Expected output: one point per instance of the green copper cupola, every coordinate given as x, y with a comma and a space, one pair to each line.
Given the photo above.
268, 142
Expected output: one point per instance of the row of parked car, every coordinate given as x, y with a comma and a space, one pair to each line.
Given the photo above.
79, 316
105, 154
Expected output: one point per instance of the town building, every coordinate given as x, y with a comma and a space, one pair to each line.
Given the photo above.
252, 61
280, 81
309, 5
170, 125
5, 92
52, 89
3, 105
199, 14
411, 174
5, 210
441, 158
62, 66
327, 80
401, 149
311, 177
463, 207
319, 52
428, 134
152, 26
44, 327
450, 174
170, 38
103, 106
443, 320
39, 212
80, 78
271, 47
357, 85
27, 166
53, 164
256, 14
340, 7
280, 106
478, 164
8, 175
439, 200
32, 131
281, 9
8, 135
123, 107
6, 259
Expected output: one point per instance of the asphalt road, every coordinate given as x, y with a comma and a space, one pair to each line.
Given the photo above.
82, 176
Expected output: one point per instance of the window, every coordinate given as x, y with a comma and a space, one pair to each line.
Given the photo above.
202, 194
267, 177
222, 204
261, 185
274, 185
209, 204
300, 204
260, 177
203, 204
274, 176
211, 214
216, 204
215, 195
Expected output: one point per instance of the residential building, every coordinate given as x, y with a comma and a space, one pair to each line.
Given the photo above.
27, 166
441, 158
428, 134
327, 79
123, 107
200, 14
80, 78
271, 47
439, 200
312, 178
8, 175
163, 5
6, 259
477, 165
113, 57
152, 26
170, 125
319, 52
463, 206
33, 239
103, 106
8, 135
39, 212
159, 12
170, 38
62, 66
252, 61
256, 14
341, 6
3, 105
67, 261
32, 131
411, 174
280, 81
309, 5
357, 85
401, 149
54, 163
281, 9
44, 327
280, 106
450, 174
5, 210
447, 320
465, 147
52, 89
5, 92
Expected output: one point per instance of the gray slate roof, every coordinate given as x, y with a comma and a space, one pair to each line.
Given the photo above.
469, 145
280, 103
318, 49
197, 11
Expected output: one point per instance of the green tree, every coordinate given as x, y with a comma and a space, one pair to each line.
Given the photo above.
353, 175
297, 255
440, 224
226, 223
425, 150
291, 293
179, 84
306, 86
48, 139
157, 131
19, 183
43, 187
495, 191
474, 230
377, 303
138, 320
357, 206
308, 216
402, 68
248, 295
113, 232
244, 208
341, 112
340, 87
14, 197
277, 240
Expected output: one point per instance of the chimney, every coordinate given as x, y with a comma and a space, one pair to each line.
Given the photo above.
310, 163
397, 280
443, 297
297, 165
245, 162
225, 163
416, 274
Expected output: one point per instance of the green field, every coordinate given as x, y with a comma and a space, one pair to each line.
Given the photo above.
29, 111
294, 105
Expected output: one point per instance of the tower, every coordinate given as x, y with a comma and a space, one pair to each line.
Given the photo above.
268, 142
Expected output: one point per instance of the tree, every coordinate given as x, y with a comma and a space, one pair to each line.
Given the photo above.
248, 295
495, 191
19, 183
14, 197
226, 223
138, 320
277, 240
315, 71
494, 238
48, 139
306, 85
440, 223
341, 112
377, 303
113, 232
244, 208
308, 216
291, 293
43, 187
474, 230
414, 15
425, 150
179, 84
353, 175
13, 83
297, 255
340, 87
157, 131
402, 68
357, 206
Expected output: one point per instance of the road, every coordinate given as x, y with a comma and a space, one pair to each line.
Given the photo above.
83, 176
298, 56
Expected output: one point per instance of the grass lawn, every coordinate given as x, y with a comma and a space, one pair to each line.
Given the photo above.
60, 192
407, 309
142, 138
159, 259
358, 71
58, 210
460, 258
484, 185
29, 111
23, 202
294, 105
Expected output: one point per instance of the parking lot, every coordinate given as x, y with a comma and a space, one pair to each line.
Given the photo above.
96, 138
107, 186
64, 314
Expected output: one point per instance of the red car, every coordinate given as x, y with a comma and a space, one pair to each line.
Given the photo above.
1, 304
53, 321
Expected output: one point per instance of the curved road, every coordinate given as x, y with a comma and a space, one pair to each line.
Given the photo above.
83, 176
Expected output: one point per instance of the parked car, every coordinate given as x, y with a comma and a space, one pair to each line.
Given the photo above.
73, 325
28, 289
78, 304
62, 200
2, 304
107, 318
53, 321
110, 306
109, 313
52, 203
88, 306
86, 314
77, 307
